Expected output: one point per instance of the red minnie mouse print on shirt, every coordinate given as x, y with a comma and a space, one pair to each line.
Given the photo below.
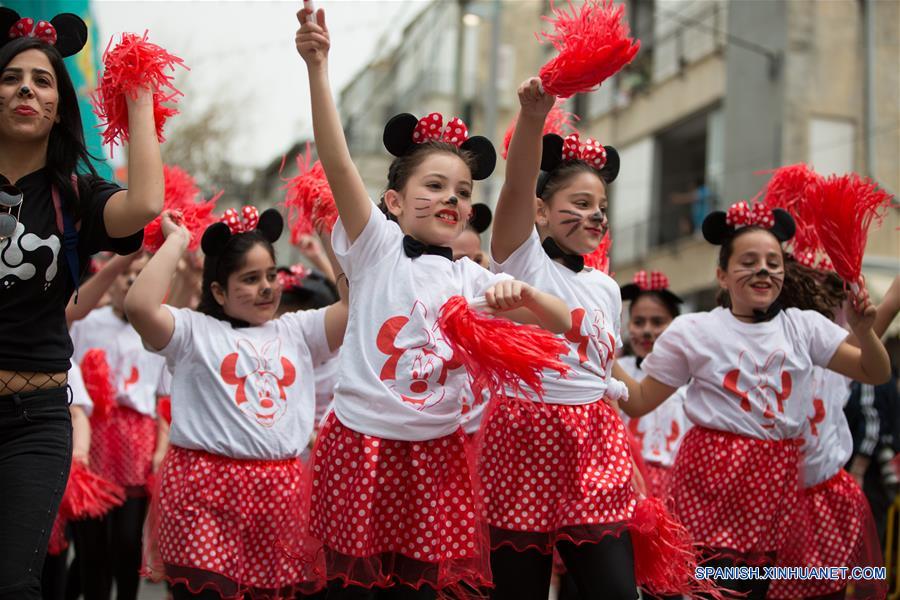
419, 359
595, 341
762, 387
261, 377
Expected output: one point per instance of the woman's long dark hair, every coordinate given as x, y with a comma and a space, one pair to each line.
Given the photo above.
66, 150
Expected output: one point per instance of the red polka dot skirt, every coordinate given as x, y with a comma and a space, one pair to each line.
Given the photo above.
231, 526
389, 511
554, 472
832, 526
122, 446
734, 493
657, 477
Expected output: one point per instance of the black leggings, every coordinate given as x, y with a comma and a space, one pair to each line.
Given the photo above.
53, 577
35, 456
599, 570
110, 549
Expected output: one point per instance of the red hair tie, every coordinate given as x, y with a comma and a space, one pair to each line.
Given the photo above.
432, 128
741, 215
26, 27
241, 222
653, 281
589, 151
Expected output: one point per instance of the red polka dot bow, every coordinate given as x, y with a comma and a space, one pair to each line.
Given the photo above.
589, 151
26, 27
807, 259
741, 215
241, 222
432, 128
654, 280
293, 279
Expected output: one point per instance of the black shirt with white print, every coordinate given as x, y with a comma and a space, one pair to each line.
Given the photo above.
35, 280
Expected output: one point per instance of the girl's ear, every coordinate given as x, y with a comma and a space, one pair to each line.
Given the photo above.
218, 293
392, 201
542, 218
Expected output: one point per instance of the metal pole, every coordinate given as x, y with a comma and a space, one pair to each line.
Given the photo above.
869, 87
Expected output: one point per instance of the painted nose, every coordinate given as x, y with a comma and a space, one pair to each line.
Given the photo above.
266, 403
453, 200
418, 387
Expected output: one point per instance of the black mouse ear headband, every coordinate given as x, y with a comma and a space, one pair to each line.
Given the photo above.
720, 226
654, 281
66, 31
404, 132
557, 150
269, 224
481, 217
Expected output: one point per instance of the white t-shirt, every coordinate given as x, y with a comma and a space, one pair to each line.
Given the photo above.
828, 443
248, 392
596, 303
80, 396
135, 371
752, 379
661, 430
473, 412
164, 387
326, 375
398, 379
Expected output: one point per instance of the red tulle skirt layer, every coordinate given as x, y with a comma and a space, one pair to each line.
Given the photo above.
122, 445
840, 531
736, 494
390, 512
58, 542
227, 525
657, 478
554, 472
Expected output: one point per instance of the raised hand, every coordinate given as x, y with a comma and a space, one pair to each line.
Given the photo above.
534, 100
312, 39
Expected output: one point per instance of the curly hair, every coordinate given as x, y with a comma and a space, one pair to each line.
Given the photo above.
804, 287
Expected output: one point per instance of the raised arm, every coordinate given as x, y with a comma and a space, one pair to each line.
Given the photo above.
643, 396
336, 315
517, 205
130, 210
92, 291
143, 304
350, 195
869, 362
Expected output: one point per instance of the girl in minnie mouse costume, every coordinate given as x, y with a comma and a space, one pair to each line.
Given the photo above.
559, 474
394, 500
230, 494
55, 212
658, 434
748, 369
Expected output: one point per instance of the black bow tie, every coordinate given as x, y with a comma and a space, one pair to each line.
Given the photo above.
414, 248
575, 262
761, 316
638, 360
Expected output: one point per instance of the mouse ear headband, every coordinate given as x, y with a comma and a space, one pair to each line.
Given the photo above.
66, 31
558, 150
404, 132
720, 226
269, 224
654, 281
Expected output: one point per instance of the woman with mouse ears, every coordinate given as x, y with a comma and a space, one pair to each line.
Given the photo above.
55, 212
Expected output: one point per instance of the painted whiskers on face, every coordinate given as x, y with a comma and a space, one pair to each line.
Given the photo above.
596, 219
749, 275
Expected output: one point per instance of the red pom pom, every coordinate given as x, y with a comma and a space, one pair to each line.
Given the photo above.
98, 382
498, 353
665, 560
843, 208
89, 495
593, 44
558, 121
791, 188
599, 258
181, 193
133, 64
309, 200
